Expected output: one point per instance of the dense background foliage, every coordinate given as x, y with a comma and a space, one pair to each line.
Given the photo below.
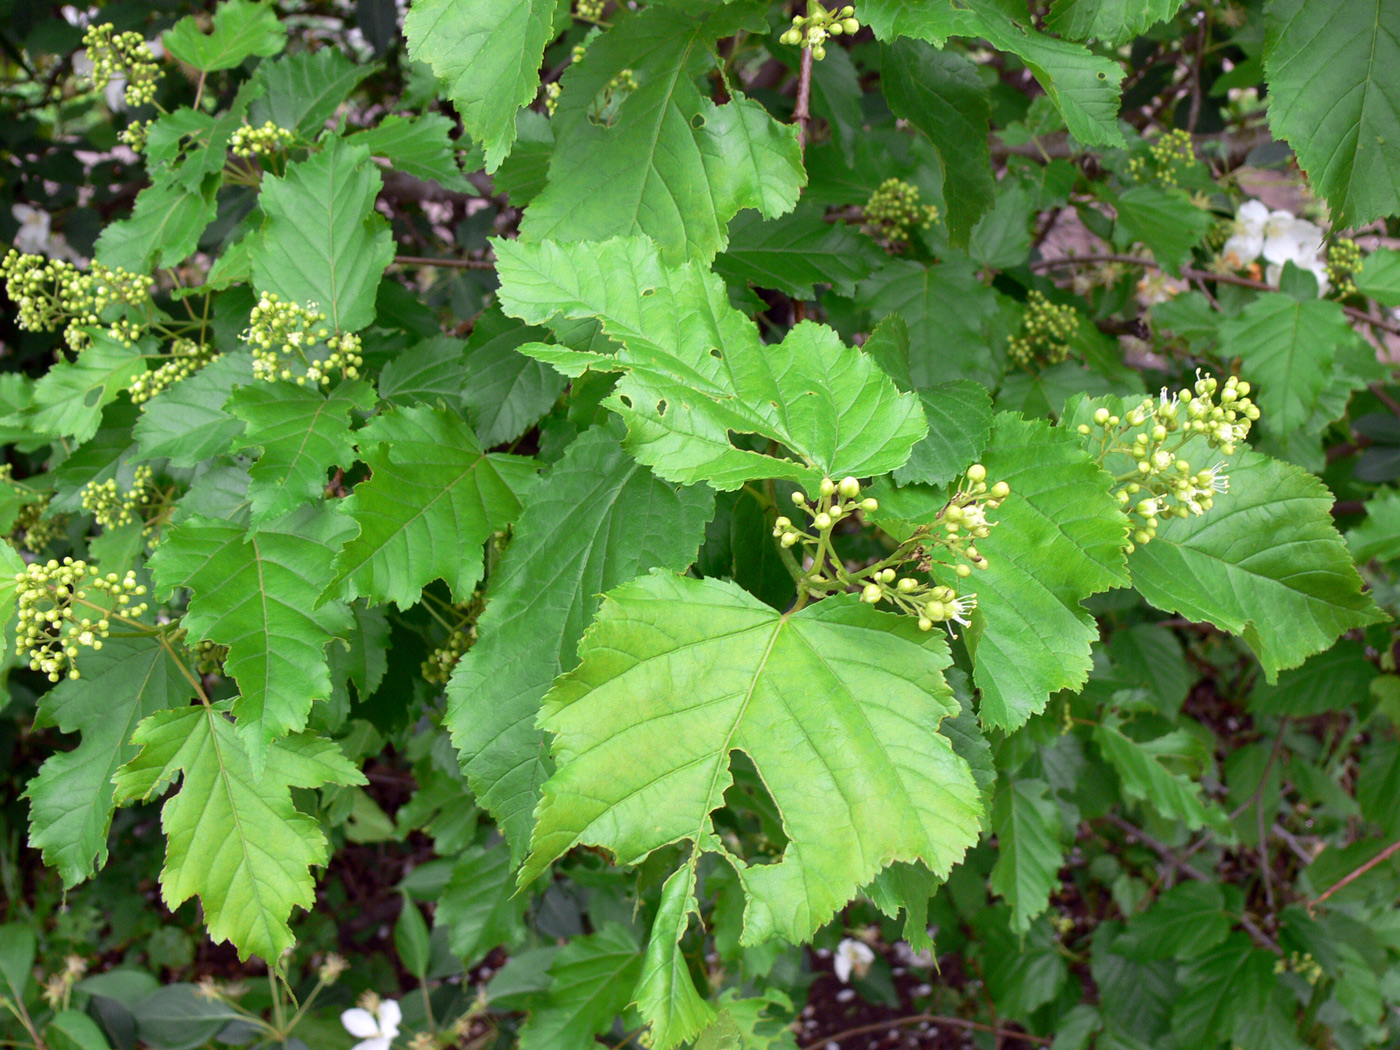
700, 522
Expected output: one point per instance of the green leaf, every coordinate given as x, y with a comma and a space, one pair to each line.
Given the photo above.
508, 392
673, 165
666, 992
1139, 765
70, 801
1287, 349
479, 905
597, 520
591, 982
1333, 96
743, 1023
792, 253
411, 939
1083, 86
432, 500
323, 241
234, 837
950, 314
430, 373
74, 1030
69, 398
241, 29
1378, 536
1335, 680
488, 53
188, 422
301, 92
831, 704
302, 434
1184, 923
940, 93
1237, 566
255, 593
163, 229
1222, 990
1059, 539
1029, 849
1164, 219
959, 425
1112, 21
421, 146
1379, 276
688, 384
17, 948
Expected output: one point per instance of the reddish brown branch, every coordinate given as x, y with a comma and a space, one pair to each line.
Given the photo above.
1356, 873
951, 1022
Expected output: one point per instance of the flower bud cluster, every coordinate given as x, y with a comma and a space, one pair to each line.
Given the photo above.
134, 134
124, 55
552, 91
605, 105
186, 358
209, 657
813, 29
894, 211
833, 502
1163, 485
1168, 159
1303, 964
964, 520
112, 508
50, 628
1045, 332
248, 141
589, 10
50, 292
438, 667
283, 336
1343, 264
35, 530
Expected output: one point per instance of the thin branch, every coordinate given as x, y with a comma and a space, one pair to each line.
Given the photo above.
1204, 275
1356, 873
450, 264
802, 112
951, 1022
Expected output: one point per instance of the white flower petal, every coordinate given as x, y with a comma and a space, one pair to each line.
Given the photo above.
390, 1016
1242, 249
1252, 216
379, 1042
359, 1023
842, 965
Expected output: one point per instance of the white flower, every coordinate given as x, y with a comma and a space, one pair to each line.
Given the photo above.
1278, 236
376, 1031
1157, 288
961, 607
852, 956
1219, 480
115, 93
34, 229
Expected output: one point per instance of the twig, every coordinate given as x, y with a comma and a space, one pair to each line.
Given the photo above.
1204, 275
1356, 873
951, 1022
802, 112
450, 264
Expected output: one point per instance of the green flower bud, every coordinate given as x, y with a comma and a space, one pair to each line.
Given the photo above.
870, 504
822, 521
849, 488
827, 487
871, 593
1001, 490
976, 473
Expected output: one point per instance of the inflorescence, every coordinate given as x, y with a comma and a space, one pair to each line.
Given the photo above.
111, 508
283, 335
1343, 264
814, 28
124, 55
438, 667
53, 597
589, 10
1045, 332
248, 141
1163, 485
186, 358
961, 523
50, 292
895, 212
1168, 159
